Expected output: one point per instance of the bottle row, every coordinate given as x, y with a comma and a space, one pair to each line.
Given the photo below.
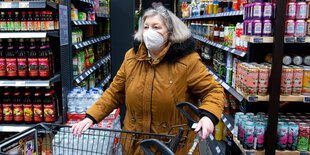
86, 14
29, 21
29, 105
24, 59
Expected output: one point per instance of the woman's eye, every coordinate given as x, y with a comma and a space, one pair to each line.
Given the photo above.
146, 27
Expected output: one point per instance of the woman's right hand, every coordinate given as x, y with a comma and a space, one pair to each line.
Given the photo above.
77, 128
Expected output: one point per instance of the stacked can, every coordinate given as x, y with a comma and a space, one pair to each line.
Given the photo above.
296, 15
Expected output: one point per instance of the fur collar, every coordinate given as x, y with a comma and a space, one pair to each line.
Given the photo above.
176, 50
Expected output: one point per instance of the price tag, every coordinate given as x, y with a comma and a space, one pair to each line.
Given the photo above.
253, 98
228, 125
249, 153
303, 153
289, 39
81, 78
6, 4
218, 150
300, 39
224, 119
91, 70
23, 4
20, 83
225, 86
98, 65
84, 43
258, 40
94, 68
307, 99
226, 48
77, 81
86, 73
211, 137
242, 54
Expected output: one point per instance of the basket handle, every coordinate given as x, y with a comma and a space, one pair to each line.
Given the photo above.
146, 144
190, 121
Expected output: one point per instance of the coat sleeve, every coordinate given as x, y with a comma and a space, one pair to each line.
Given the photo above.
202, 84
113, 97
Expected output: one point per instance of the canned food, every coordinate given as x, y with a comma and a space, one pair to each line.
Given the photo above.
291, 10
297, 80
307, 60
282, 132
308, 27
300, 28
289, 27
236, 122
263, 80
257, 11
301, 10
268, 11
303, 137
260, 128
293, 136
252, 80
257, 28
241, 130
297, 60
267, 28
306, 79
286, 81
249, 135
228, 76
287, 60
249, 27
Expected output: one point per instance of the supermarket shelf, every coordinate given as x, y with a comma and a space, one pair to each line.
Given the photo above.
104, 81
287, 39
217, 15
86, 73
87, 1
228, 121
29, 83
14, 127
231, 50
289, 98
215, 146
27, 4
76, 22
90, 42
6, 35
102, 15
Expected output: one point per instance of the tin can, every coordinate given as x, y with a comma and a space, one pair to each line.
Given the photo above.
267, 28
306, 79
250, 114
287, 60
297, 80
297, 60
252, 80
289, 27
308, 27
257, 10
263, 80
228, 76
260, 128
249, 27
268, 11
307, 60
249, 135
257, 28
282, 132
286, 80
241, 130
301, 10
244, 78
236, 122
260, 114
291, 10
293, 136
303, 137
300, 28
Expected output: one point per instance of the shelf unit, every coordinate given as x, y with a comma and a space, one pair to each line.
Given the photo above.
76, 22
28, 4
223, 14
220, 46
14, 127
7, 35
90, 42
29, 83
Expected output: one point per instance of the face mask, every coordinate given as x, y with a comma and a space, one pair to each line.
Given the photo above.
153, 40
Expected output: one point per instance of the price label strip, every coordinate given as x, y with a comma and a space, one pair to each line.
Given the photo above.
253, 98
23, 4
307, 99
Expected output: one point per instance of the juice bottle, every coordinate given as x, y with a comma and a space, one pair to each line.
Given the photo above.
37, 107
10, 22
22, 61
44, 66
11, 65
222, 33
51, 57
37, 21
18, 113
55, 100
33, 66
43, 21
23, 22
16, 21
49, 108
28, 107
3, 26
216, 33
51, 21
7, 107
56, 21
2, 61
30, 22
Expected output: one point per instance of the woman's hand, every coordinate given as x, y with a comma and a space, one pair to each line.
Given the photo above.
83, 125
207, 127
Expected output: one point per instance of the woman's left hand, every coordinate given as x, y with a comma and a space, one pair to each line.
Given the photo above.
207, 127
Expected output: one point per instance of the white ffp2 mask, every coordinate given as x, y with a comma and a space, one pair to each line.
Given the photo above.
153, 40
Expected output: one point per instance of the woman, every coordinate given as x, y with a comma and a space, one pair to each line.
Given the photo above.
160, 71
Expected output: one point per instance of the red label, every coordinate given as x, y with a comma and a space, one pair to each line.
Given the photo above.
7, 112
28, 113
2, 67
33, 67
11, 67
49, 112
18, 112
22, 67
30, 25
38, 112
43, 67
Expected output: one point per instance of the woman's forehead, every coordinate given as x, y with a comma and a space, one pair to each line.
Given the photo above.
156, 19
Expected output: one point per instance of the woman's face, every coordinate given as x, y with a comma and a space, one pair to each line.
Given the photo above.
157, 24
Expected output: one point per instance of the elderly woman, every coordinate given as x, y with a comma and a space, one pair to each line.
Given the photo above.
160, 71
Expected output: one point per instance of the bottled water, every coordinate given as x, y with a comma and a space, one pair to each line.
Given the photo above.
65, 144
71, 106
79, 109
96, 97
88, 100
56, 145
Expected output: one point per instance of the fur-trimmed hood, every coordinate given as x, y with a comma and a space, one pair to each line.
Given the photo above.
176, 50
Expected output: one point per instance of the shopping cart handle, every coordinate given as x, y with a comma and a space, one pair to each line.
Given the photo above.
190, 120
146, 144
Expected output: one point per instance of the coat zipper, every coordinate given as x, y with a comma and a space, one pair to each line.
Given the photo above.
152, 92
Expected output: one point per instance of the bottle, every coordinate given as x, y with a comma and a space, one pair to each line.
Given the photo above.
37, 21
216, 33
30, 22
7, 107
22, 61
229, 145
56, 21
28, 108
49, 108
3, 26
71, 107
43, 21
297, 60
10, 22
33, 65
307, 60
56, 144
23, 22
18, 113
55, 100
17, 22
11, 65
51, 21
221, 39
79, 108
44, 64
37, 107
51, 58
2, 61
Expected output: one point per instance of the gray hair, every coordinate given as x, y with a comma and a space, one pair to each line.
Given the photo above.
176, 28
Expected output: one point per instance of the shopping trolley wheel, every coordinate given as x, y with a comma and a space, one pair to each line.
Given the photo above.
146, 144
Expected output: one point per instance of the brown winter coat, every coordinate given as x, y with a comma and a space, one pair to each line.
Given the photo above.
151, 90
